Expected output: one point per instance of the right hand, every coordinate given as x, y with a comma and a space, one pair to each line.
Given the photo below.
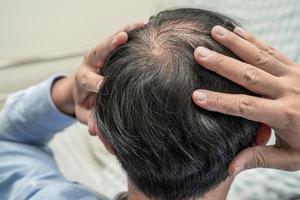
268, 73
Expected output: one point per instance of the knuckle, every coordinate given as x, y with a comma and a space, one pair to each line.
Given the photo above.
214, 101
295, 91
220, 62
271, 51
289, 116
251, 74
82, 79
246, 105
261, 58
250, 38
84, 82
259, 159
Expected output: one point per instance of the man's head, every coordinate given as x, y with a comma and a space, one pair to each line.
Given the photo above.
169, 147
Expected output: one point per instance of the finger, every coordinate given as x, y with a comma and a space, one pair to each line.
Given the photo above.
83, 114
97, 56
131, 27
263, 46
265, 157
89, 80
248, 52
92, 125
84, 107
249, 107
119, 38
241, 73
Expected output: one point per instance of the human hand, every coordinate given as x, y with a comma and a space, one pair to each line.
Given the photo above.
76, 95
275, 78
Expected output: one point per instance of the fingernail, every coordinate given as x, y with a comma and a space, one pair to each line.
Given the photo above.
239, 30
200, 96
220, 31
238, 170
202, 52
117, 38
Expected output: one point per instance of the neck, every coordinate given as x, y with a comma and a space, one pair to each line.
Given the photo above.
219, 193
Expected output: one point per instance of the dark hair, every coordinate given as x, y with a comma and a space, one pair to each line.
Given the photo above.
170, 148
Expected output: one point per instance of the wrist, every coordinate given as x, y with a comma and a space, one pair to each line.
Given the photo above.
62, 95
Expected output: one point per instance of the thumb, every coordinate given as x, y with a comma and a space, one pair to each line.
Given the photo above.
265, 157
83, 114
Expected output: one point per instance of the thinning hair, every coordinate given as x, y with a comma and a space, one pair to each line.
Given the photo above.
169, 147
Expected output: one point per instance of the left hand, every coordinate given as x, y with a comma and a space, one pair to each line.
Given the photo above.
75, 95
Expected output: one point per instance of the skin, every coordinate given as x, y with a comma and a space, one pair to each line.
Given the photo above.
268, 73
264, 71
75, 95
219, 193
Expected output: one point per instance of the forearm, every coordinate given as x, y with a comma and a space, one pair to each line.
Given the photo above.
30, 116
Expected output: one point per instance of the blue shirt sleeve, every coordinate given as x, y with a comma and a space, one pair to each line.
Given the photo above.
28, 121
29, 116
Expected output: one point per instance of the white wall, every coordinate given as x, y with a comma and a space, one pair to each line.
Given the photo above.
33, 28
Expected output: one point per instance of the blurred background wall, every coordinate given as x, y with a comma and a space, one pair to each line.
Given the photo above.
39, 38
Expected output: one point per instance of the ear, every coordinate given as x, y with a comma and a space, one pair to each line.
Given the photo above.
93, 130
263, 135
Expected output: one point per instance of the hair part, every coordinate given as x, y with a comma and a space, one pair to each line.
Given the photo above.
169, 147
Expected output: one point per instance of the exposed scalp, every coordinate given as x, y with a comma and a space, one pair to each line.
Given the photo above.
170, 148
